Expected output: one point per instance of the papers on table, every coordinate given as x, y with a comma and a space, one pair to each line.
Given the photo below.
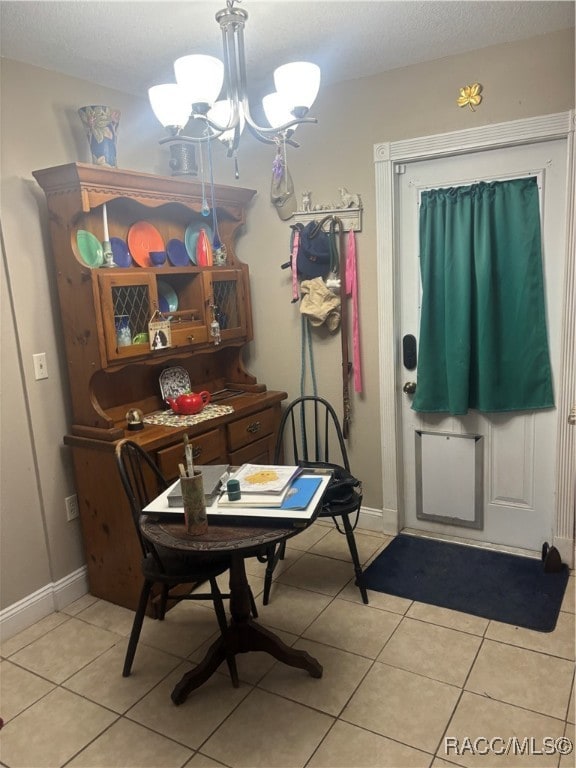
286, 515
265, 478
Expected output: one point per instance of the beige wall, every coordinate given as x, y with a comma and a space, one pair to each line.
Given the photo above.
40, 128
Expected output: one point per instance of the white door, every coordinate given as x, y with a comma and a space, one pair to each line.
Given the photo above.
485, 477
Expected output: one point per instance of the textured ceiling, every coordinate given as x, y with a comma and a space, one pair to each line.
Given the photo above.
130, 46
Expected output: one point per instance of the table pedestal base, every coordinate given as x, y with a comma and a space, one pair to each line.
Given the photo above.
242, 638
242, 635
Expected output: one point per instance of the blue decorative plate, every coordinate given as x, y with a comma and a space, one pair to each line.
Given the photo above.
177, 253
120, 252
167, 298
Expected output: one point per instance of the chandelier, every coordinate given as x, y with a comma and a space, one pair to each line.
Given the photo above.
201, 79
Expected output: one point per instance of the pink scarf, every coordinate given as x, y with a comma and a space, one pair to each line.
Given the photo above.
352, 290
294, 260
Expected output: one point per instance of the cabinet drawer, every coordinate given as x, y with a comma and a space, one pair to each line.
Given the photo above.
259, 452
207, 448
251, 428
186, 334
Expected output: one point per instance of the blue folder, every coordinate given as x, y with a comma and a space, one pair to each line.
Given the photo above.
301, 492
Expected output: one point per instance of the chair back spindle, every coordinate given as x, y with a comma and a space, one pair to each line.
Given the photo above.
308, 430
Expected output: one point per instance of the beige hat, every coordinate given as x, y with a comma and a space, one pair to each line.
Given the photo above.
319, 304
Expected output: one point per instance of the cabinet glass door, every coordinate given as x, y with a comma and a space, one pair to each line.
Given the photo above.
128, 301
225, 289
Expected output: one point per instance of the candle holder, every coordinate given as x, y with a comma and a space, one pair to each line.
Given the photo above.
108, 255
106, 245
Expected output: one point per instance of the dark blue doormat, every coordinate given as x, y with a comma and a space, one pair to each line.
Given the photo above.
493, 585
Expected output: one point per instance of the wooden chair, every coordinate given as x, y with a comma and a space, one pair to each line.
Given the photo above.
142, 482
310, 432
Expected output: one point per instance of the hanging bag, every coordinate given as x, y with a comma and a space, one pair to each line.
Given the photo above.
313, 256
342, 486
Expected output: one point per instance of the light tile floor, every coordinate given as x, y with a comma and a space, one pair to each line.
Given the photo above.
404, 684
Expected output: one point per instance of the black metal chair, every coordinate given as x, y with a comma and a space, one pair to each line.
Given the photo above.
309, 429
142, 482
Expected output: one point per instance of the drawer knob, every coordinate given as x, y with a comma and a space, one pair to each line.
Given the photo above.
253, 427
196, 451
191, 338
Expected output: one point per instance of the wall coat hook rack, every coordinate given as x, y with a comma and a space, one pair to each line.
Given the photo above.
348, 209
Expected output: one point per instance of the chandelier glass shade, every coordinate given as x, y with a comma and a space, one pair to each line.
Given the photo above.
200, 80
276, 111
297, 84
169, 106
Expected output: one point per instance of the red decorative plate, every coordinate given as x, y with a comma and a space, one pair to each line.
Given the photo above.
143, 238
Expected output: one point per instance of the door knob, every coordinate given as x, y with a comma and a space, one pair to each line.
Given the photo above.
409, 388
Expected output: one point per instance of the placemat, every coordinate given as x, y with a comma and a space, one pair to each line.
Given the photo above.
170, 419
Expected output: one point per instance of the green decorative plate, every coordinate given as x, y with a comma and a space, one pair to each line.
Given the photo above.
90, 248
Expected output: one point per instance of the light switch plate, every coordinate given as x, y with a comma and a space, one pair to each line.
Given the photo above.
40, 367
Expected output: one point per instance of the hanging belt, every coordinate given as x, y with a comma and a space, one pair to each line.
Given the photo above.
337, 241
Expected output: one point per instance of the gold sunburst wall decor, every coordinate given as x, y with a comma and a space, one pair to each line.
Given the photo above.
470, 96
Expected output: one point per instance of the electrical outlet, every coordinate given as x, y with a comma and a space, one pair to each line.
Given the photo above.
40, 367
71, 507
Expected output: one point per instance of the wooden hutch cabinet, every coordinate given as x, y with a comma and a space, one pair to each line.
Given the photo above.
106, 380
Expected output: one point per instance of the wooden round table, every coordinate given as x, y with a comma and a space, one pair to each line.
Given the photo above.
243, 634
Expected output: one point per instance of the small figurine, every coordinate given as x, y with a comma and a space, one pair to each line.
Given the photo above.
306, 206
349, 200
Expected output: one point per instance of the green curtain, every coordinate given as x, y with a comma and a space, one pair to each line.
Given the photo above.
483, 341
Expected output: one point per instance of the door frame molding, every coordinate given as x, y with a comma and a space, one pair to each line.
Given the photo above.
388, 160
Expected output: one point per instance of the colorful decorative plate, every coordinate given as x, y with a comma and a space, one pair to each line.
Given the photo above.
90, 248
174, 381
143, 238
120, 252
167, 298
177, 253
191, 238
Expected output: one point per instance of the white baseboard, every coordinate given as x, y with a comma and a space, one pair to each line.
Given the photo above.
566, 549
383, 521
43, 602
390, 522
